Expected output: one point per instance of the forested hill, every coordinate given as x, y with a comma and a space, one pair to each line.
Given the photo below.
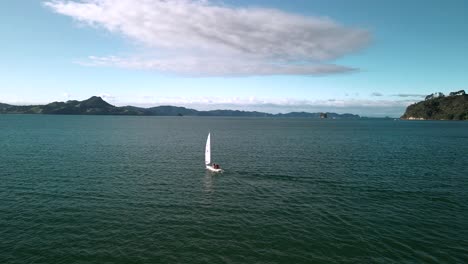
439, 107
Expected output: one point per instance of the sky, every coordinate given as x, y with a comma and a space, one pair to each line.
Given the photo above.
366, 57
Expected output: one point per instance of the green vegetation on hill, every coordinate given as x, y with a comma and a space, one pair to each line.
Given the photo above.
97, 106
440, 107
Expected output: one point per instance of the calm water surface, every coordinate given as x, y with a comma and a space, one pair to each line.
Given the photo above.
97, 189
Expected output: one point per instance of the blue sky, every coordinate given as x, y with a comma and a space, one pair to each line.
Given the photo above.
274, 56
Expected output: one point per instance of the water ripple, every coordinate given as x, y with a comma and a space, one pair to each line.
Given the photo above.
134, 190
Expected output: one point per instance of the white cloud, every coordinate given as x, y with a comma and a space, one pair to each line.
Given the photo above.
363, 107
242, 101
107, 97
201, 38
67, 96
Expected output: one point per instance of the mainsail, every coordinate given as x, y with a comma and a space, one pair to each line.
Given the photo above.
208, 150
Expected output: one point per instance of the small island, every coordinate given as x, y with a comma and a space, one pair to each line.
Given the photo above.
438, 106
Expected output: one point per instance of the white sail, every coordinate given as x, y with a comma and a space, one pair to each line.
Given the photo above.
208, 150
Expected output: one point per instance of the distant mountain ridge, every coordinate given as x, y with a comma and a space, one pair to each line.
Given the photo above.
437, 106
97, 106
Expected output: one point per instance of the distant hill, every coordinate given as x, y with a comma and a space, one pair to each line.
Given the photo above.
319, 115
97, 106
439, 107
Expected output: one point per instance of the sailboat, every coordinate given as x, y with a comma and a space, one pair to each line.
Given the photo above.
209, 166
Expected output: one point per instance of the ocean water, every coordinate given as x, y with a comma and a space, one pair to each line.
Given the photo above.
107, 189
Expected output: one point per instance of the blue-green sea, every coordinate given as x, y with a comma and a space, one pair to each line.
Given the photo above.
115, 189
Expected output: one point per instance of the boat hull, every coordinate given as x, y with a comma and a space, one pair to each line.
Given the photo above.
210, 168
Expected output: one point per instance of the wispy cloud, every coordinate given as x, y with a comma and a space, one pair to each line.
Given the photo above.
108, 97
202, 38
410, 95
220, 66
376, 94
67, 95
